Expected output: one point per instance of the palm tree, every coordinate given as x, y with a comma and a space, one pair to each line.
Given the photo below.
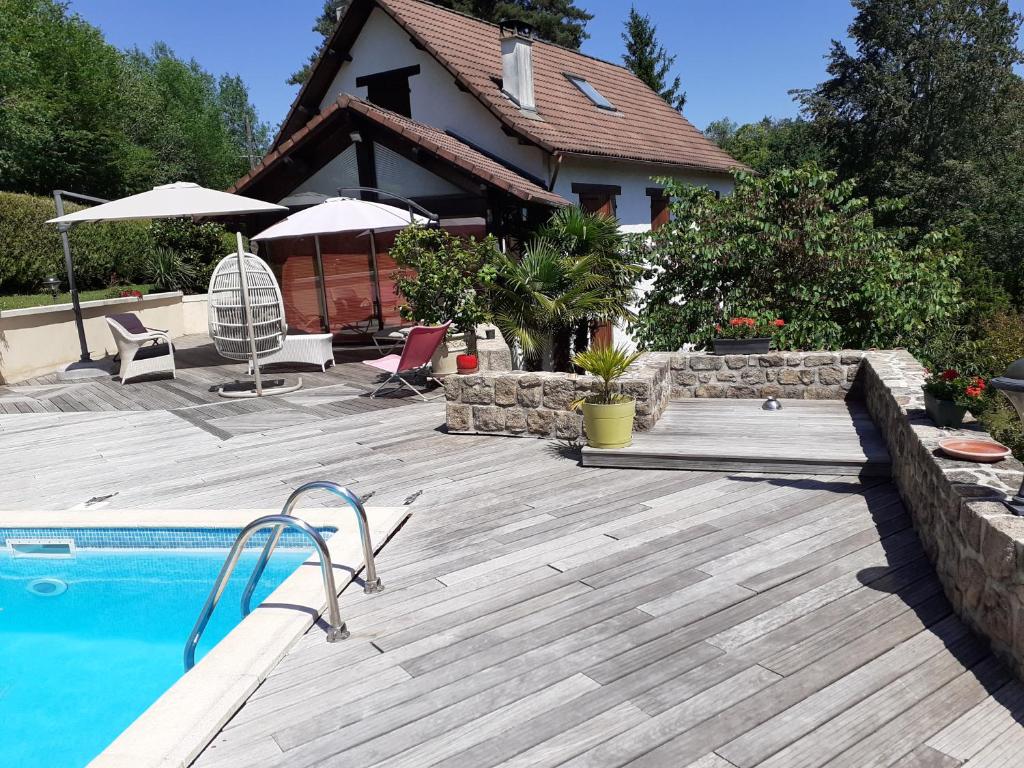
580, 234
571, 276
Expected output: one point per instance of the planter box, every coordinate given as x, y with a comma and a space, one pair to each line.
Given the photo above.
741, 346
945, 413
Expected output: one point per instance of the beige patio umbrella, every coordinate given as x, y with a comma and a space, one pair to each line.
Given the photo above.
182, 199
336, 215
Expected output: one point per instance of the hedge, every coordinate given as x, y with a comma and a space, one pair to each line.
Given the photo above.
105, 254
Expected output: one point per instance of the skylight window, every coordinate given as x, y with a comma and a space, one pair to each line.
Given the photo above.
590, 92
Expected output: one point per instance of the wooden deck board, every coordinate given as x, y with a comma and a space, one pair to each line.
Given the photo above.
807, 436
542, 613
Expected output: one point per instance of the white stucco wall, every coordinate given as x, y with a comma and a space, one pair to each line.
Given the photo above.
38, 340
434, 99
633, 206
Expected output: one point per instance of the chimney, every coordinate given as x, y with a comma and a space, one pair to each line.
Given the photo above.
517, 64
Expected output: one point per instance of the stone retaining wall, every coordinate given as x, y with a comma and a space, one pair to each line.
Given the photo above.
794, 375
975, 544
537, 404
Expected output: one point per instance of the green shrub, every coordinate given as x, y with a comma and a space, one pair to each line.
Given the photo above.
105, 254
443, 277
984, 349
794, 244
169, 270
201, 247
30, 249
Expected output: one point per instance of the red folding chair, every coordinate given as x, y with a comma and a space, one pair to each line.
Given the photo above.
419, 348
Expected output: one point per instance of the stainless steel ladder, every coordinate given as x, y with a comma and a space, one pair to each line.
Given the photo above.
286, 519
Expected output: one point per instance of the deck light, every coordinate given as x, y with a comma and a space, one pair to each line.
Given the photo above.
771, 404
52, 284
1011, 384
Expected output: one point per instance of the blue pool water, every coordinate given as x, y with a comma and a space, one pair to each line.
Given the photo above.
78, 667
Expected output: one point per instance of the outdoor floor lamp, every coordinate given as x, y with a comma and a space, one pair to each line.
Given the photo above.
1011, 384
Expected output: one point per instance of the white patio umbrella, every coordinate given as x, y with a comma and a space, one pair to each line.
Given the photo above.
342, 214
177, 200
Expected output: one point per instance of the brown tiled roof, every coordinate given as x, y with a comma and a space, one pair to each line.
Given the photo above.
642, 128
429, 139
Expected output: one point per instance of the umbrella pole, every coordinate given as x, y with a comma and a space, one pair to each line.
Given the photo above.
322, 293
376, 282
72, 288
243, 283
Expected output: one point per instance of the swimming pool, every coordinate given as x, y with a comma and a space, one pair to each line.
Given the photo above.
92, 628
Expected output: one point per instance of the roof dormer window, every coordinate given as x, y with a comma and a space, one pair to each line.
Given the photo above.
590, 92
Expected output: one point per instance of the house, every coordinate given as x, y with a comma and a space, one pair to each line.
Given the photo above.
482, 124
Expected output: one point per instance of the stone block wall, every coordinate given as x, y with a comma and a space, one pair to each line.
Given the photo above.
974, 542
537, 404
794, 375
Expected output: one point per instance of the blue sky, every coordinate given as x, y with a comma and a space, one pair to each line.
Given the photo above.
736, 57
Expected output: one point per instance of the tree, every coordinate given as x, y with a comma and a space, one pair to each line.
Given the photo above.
927, 107
574, 273
324, 25
795, 244
558, 21
649, 60
769, 144
77, 113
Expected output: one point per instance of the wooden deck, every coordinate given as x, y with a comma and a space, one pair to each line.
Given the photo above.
819, 437
540, 613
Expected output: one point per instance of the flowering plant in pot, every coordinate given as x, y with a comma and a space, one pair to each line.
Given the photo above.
607, 414
745, 336
949, 395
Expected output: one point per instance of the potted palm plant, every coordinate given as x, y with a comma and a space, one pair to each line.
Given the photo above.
607, 414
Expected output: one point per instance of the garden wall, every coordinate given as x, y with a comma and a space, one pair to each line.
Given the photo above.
975, 544
537, 404
38, 340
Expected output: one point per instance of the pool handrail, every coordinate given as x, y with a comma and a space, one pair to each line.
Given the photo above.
371, 583
337, 629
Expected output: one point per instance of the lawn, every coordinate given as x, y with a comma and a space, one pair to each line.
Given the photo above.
21, 301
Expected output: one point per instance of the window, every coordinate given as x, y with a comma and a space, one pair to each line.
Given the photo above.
590, 92
659, 207
597, 198
390, 90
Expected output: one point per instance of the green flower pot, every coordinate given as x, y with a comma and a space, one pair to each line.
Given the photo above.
609, 426
945, 413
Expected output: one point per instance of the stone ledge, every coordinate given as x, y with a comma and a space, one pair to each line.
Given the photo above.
974, 542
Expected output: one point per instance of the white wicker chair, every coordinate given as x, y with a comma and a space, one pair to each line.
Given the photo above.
312, 348
139, 355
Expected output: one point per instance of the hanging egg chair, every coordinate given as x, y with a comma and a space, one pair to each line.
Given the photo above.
246, 317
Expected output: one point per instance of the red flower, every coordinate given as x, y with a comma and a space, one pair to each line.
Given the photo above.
974, 391
736, 321
949, 374
779, 322
979, 382
749, 322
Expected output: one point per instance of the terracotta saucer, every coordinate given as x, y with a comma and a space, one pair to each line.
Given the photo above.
974, 450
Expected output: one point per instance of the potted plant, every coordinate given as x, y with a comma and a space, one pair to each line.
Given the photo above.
444, 277
949, 395
607, 415
745, 336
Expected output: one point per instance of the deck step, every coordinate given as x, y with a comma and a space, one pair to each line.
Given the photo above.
822, 437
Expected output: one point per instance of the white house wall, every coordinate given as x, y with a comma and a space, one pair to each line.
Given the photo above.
434, 98
632, 206
340, 171
395, 174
